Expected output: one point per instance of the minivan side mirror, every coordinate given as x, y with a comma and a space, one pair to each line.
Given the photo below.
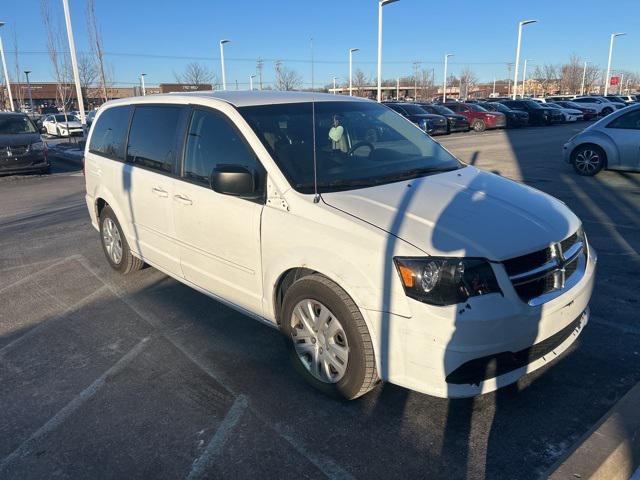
233, 180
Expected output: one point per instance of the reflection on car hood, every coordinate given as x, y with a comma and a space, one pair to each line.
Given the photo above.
465, 212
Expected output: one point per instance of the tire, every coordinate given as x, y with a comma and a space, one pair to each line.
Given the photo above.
125, 262
588, 160
350, 332
479, 126
606, 111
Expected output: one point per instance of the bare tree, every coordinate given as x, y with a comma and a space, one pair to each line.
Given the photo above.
571, 75
195, 74
468, 79
547, 77
88, 73
17, 89
287, 79
59, 57
359, 81
95, 42
591, 77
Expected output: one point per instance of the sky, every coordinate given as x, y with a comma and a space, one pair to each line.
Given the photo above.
161, 37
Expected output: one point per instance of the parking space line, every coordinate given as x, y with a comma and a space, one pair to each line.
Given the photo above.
34, 330
35, 274
73, 405
214, 448
323, 463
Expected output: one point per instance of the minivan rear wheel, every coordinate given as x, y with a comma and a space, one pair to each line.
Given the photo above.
114, 244
327, 338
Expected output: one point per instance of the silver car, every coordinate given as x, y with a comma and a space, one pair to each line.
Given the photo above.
612, 143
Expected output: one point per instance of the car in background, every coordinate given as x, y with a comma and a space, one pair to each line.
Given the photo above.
479, 118
431, 124
601, 104
618, 99
456, 122
629, 99
538, 114
588, 113
21, 146
515, 118
62, 125
570, 114
612, 143
90, 117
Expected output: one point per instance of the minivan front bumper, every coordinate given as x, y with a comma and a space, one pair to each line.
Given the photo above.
475, 348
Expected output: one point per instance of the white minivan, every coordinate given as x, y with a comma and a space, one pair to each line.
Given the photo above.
375, 252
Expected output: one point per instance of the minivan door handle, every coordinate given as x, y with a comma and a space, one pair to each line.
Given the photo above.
160, 192
182, 199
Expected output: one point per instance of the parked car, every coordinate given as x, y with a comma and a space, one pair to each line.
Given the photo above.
89, 118
618, 99
570, 114
612, 143
538, 114
588, 113
601, 104
21, 146
62, 125
456, 122
431, 124
629, 99
479, 118
374, 251
515, 118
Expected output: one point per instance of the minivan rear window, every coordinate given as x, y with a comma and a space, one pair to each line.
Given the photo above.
110, 132
153, 136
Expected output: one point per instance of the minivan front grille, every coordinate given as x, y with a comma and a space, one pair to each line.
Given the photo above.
550, 269
14, 151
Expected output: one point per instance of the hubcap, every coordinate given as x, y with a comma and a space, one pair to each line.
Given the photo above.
112, 240
319, 340
587, 161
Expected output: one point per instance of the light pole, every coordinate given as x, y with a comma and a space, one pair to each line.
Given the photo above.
493, 93
398, 88
144, 90
351, 50
584, 76
26, 74
224, 77
6, 75
444, 83
74, 61
334, 85
515, 78
621, 82
524, 75
251, 77
606, 82
381, 3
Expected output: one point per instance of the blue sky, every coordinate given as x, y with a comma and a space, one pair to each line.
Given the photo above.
482, 35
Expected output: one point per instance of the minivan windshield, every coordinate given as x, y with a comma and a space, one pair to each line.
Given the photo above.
14, 124
357, 144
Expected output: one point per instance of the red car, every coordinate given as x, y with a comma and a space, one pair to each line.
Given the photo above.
479, 118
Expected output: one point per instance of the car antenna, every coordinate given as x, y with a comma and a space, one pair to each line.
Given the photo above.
316, 195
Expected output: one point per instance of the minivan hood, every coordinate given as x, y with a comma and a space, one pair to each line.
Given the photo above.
465, 212
19, 139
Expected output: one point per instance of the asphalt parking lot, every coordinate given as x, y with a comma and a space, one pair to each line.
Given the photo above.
104, 376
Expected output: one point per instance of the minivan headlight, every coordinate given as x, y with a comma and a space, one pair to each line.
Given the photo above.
445, 280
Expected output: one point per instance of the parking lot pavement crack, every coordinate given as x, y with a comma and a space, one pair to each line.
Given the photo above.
214, 448
60, 417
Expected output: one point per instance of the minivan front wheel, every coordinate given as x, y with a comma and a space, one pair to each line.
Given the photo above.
114, 244
327, 338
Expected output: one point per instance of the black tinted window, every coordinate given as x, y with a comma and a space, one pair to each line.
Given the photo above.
153, 140
110, 132
214, 141
630, 121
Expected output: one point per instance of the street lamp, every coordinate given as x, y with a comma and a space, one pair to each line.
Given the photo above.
381, 3
144, 90
351, 50
26, 73
606, 84
444, 86
74, 61
584, 76
224, 78
334, 85
524, 75
515, 78
6, 75
251, 77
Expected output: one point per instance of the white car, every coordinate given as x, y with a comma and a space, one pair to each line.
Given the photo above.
375, 252
570, 114
600, 104
62, 125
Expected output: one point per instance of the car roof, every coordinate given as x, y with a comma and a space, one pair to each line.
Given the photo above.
243, 98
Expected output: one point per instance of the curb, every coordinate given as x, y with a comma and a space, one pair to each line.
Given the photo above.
610, 450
